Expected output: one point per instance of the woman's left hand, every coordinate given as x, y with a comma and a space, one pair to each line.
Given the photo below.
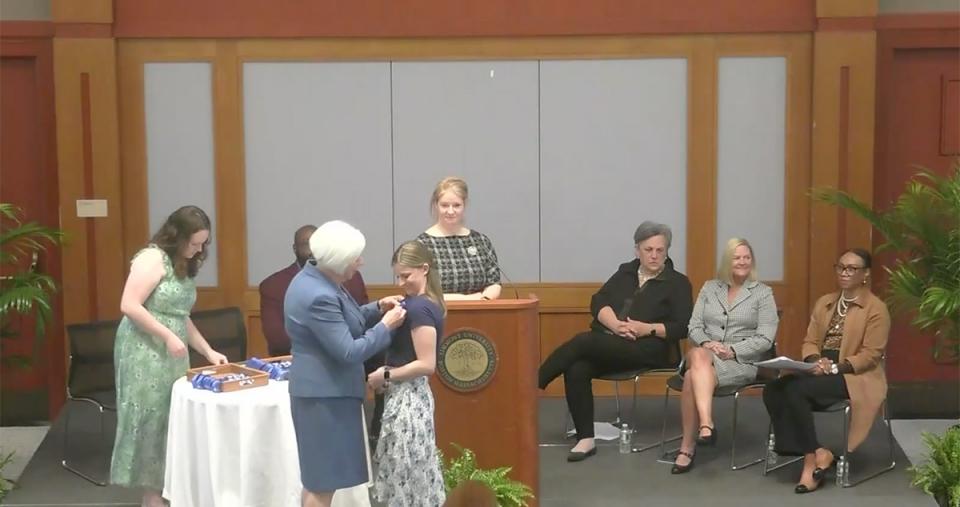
216, 358
387, 303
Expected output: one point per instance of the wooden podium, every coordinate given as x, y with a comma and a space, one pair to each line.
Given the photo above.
491, 409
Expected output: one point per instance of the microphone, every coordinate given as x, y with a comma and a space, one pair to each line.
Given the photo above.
496, 262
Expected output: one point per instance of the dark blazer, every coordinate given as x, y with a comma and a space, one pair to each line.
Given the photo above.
666, 299
272, 290
330, 336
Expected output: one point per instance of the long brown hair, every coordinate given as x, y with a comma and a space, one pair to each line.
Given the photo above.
413, 254
174, 235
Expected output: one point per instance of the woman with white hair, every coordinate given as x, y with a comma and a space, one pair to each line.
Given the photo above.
331, 336
733, 325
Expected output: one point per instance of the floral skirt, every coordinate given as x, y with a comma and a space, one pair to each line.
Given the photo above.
408, 468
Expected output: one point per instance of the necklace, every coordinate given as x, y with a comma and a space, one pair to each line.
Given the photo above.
843, 305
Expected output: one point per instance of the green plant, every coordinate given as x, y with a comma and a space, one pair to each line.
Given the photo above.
509, 493
5, 484
923, 227
939, 476
23, 290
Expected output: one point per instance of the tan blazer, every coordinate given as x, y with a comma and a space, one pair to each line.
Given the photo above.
865, 333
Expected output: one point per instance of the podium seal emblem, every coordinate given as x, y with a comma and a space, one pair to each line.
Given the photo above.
467, 360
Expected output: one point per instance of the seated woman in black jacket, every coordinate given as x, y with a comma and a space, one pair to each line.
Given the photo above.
643, 303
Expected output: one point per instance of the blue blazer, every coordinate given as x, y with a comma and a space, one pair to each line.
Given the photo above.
330, 337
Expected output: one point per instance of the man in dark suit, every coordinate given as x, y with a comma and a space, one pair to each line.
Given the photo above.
274, 287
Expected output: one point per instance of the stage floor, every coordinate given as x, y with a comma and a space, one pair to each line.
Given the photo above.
608, 479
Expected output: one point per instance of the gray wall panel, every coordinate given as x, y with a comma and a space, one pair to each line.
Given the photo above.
613, 153
317, 138
477, 120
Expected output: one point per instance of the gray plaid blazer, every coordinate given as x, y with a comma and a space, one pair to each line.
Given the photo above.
748, 326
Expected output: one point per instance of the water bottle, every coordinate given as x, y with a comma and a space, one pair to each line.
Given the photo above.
626, 439
771, 454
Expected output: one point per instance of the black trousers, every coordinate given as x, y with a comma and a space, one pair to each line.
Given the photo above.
590, 355
791, 401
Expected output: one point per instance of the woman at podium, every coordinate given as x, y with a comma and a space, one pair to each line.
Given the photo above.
644, 303
465, 257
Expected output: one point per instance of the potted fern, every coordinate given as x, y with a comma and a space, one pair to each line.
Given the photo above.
939, 475
923, 227
509, 493
23, 290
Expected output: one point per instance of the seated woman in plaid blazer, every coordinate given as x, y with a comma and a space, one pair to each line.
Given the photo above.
734, 323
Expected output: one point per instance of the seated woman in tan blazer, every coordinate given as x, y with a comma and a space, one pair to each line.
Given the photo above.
846, 337
733, 325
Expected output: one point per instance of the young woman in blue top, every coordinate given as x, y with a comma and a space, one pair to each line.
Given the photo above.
408, 471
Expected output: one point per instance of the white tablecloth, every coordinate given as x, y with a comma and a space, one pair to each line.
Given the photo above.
236, 450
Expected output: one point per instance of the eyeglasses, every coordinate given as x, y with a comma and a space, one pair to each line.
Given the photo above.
841, 269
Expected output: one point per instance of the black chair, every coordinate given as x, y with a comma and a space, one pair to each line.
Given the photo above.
673, 358
676, 383
91, 379
843, 462
224, 330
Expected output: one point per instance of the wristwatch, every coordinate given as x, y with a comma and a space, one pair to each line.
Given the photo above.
386, 376
653, 331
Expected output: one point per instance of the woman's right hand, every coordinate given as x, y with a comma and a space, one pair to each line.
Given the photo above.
394, 317
176, 347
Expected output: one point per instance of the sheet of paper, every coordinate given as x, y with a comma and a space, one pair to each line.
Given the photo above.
785, 363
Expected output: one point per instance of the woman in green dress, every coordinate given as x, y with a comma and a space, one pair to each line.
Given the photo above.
150, 352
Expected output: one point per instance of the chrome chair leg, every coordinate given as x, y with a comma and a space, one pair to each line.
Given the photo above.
733, 444
772, 458
616, 391
64, 462
843, 475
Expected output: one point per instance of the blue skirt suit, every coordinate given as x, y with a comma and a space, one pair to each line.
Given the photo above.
330, 337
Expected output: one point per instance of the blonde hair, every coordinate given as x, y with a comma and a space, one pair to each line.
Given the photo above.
725, 272
448, 184
335, 245
414, 254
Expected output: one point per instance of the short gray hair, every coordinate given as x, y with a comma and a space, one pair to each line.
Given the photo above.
650, 229
336, 244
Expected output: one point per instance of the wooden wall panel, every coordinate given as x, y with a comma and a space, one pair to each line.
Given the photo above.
89, 167
843, 115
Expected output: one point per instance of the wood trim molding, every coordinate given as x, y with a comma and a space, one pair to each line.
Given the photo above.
85, 11
25, 29
853, 24
846, 8
441, 18
919, 21
84, 30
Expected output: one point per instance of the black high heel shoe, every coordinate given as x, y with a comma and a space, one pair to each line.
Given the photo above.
682, 469
819, 473
802, 488
707, 440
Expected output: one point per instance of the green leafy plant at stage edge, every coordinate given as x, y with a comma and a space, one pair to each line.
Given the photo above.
939, 476
509, 493
923, 228
23, 291
5, 484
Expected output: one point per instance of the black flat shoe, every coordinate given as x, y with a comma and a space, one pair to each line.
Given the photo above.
682, 469
574, 456
708, 440
801, 489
